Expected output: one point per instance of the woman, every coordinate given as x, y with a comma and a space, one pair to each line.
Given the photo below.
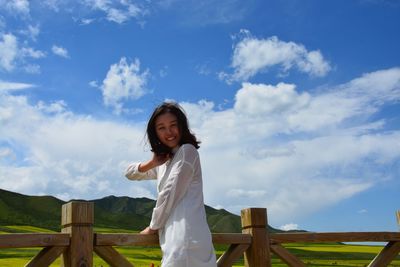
179, 215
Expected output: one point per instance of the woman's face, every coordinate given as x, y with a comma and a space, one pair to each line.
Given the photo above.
167, 130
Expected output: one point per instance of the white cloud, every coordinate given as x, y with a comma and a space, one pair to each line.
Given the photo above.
261, 99
31, 68
52, 4
291, 151
87, 21
123, 81
60, 51
252, 56
64, 154
54, 107
10, 86
289, 227
32, 32
30, 52
19, 6
358, 98
8, 51
117, 11
12, 55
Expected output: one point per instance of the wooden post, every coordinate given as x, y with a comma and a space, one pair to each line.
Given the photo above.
254, 222
77, 219
398, 218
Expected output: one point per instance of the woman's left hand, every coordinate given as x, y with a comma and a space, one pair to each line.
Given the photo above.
148, 231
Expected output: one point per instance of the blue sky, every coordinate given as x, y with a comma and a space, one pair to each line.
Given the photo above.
296, 102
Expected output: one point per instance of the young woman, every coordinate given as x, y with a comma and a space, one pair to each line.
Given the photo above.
179, 215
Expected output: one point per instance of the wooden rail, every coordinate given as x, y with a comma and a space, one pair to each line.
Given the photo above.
384, 258
77, 241
334, 237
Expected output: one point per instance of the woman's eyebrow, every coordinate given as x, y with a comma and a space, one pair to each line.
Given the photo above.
162, 123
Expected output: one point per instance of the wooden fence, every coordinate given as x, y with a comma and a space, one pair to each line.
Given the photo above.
77, 241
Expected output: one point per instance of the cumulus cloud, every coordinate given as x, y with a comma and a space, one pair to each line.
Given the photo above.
261, 99
45, 148
60, 51
290, 151
123, 81
252, 56
297, 156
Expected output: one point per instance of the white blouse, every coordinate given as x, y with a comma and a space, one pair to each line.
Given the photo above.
179, 214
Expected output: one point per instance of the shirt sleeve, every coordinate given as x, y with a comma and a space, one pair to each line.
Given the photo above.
133, 173
176, 186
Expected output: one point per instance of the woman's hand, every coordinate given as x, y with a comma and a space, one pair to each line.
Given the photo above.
148, 231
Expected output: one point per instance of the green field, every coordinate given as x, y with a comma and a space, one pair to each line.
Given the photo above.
311, 254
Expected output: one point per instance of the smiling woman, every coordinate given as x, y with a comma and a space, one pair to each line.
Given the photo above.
179, 216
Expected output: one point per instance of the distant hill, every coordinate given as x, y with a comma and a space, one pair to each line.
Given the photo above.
110, 212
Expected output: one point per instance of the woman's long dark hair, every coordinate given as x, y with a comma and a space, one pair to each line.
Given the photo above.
186, 136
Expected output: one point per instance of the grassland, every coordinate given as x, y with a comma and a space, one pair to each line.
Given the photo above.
314, 255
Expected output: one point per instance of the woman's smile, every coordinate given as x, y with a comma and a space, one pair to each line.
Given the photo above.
167, 130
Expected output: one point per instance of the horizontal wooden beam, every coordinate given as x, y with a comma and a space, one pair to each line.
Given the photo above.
335, 237
125, 240
152, 240
33, 240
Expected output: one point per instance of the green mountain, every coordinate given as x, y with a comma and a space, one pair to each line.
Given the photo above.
110, 212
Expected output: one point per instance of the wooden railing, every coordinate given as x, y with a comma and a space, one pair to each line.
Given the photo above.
384, 258
77, 241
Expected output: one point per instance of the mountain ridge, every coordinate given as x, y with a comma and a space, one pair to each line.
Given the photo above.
110, 212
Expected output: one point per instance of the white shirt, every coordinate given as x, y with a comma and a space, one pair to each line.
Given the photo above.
179, 214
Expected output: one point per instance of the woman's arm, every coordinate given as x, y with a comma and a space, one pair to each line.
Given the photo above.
156, 160
146, 170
